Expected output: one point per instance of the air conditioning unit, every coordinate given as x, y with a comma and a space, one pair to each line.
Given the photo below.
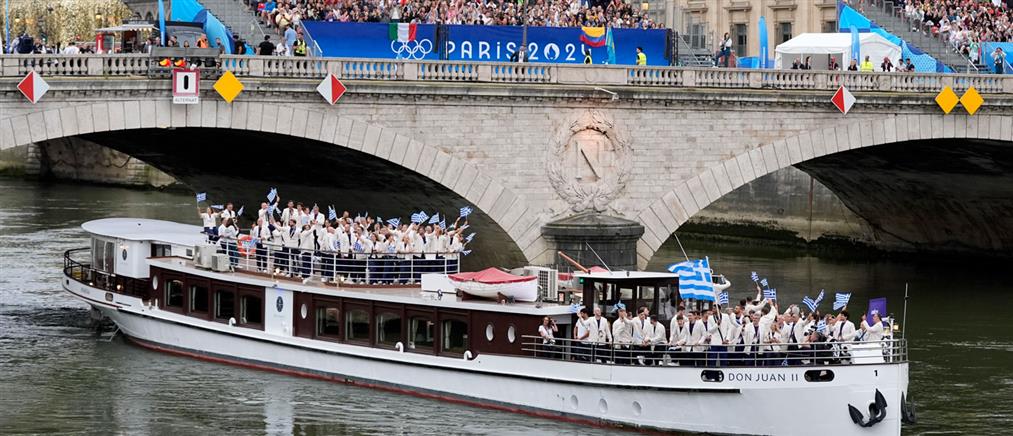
220, 262
203, 255
548, 281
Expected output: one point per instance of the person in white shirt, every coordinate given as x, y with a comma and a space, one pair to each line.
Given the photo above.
290, 213
307, 245
290, 240
264, 212
873, 332
316, 219
209, 218
71, 49
228, 213
582, 333
547, 331
678, 339
654, 338
844, 330
228, 234
261, 233
601, 335
622, 336
750, 339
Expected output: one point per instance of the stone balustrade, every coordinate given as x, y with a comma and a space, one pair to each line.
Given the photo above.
499, 72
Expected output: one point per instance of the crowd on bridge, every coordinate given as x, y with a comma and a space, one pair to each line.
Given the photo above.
553, 13
753, 332
963, 24
302, 242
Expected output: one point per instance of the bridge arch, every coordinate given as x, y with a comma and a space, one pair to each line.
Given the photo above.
666, 214
502, 205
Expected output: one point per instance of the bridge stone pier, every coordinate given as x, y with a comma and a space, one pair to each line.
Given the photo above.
527, 145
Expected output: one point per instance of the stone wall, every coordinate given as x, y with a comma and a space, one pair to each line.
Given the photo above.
77, 159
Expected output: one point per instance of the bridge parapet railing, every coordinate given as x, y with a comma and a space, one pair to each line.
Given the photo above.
507, 72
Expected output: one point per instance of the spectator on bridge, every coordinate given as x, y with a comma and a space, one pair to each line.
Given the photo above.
521, 55
867, 65
266, 47
909, 67
999, 58
641, 57
833, 65
587, 57
290, 37
853, 66
887, 65
299, 47
724, 51
71, 49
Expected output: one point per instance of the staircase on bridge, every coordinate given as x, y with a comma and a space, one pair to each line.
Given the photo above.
891, 18
239, 18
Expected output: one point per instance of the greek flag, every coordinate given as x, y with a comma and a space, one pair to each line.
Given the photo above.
574, 308
241, 209
694, 279
770, 294
469, 238
357, 246
272, 195
394, 222
763, 283
331, 213
754, 277
391, 248
274, 209
466, 252
217, 206
841, 300
620, 306
723, 299
821, 327
419, 217
810, 303
443, 224
465, 211
819, 298
202, 196
434, 219
250, 243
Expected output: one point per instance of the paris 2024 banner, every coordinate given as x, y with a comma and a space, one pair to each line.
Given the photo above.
483, 43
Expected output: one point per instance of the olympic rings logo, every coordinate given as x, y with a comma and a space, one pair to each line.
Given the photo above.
417, 49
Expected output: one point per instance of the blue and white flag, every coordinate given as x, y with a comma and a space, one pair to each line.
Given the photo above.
465, 211
357, 246
763, 282
819, 298
394, 222
723, 299
810, 303
419, 217
694, 279
241, 209
272, 195
217, 206
250, 243
274, 209
443, 224
331, 213
469, 238
770, 294
434, 219
620, 306
202, 196
821, 327
391, 248
466, 252
754, 277
574, 308
841, 300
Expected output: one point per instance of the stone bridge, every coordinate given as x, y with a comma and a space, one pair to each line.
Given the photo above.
529, 144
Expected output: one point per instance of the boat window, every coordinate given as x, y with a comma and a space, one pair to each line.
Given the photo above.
713, 376
647, 298
388, 328
421, 335
225, 304
328, 323
110, 254
512, 333
819, 375
356, 325
198, 299
98, 257
455, 336
174, 293
160, 250
490, 332
252, 309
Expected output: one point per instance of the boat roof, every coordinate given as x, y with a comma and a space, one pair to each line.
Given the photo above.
143, 229
626, 275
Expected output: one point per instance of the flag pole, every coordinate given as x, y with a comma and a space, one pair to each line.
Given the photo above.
680, 246
903, 323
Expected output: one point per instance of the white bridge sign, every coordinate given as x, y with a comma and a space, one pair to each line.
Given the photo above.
185, 86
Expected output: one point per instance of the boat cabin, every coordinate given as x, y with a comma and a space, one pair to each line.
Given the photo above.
657, 291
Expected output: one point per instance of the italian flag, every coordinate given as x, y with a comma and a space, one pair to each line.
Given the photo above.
401, 32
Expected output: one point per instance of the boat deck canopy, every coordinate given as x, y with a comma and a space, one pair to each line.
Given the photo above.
141, 229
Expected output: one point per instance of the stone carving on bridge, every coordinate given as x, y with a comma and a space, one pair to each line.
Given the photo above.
589, 162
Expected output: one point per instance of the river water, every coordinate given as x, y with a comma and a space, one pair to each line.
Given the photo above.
57, 377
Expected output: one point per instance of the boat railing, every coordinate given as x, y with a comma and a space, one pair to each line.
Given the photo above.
353, 267
83, 272
887, 350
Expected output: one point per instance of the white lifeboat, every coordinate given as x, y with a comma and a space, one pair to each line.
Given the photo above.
491, 282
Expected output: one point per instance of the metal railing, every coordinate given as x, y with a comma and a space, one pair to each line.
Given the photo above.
81, 271
387, 70
804, 354
353, 267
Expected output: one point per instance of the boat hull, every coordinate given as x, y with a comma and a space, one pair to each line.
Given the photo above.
748, 400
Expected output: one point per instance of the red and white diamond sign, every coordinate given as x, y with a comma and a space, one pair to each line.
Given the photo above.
331, 88
843, 100
33, 87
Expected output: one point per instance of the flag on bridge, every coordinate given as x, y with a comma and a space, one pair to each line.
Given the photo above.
592, 36
402, 32
841, 300
202, 196
694, 279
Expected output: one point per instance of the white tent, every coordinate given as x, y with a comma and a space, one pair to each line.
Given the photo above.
821, 46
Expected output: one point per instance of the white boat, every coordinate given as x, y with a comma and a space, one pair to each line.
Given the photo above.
493, 283
153, 279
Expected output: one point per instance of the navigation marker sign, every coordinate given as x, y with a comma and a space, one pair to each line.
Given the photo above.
331, 88
843, 100
185, 86
33, 87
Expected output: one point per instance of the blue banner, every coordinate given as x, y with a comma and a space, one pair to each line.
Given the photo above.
483, 43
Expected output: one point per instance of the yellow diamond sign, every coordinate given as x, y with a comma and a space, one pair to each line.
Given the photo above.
971, 100
228, 86
947, 99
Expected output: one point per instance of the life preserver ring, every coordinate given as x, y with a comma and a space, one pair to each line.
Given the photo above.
241, 242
